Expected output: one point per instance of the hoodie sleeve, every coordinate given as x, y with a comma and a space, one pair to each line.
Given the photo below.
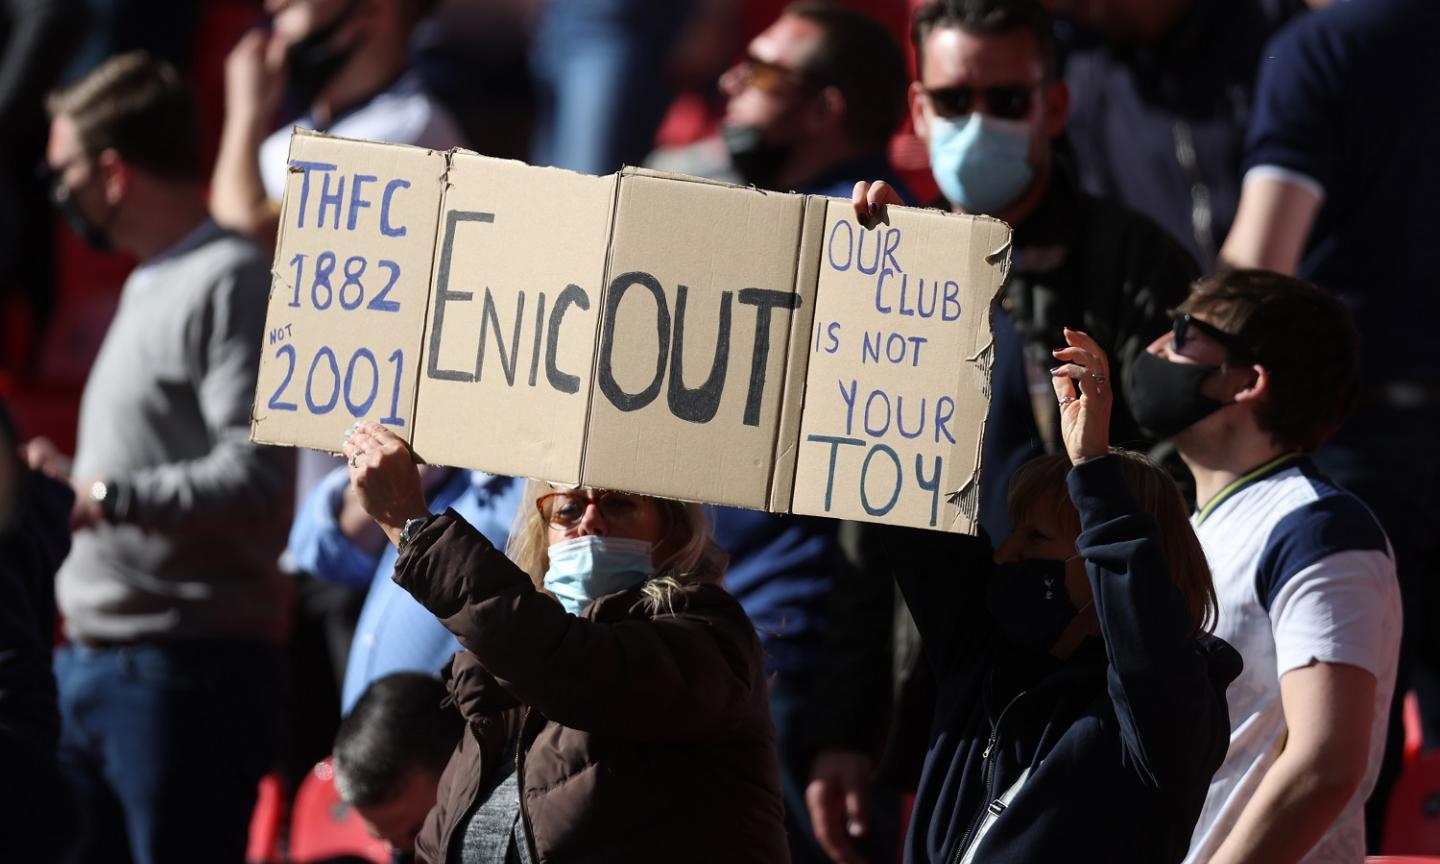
942, 578
1173, 717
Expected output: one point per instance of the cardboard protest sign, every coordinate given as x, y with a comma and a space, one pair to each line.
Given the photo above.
647, 332
515, 303
898, 378
349, 290
689, 388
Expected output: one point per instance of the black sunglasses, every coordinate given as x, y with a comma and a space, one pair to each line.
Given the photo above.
1234, 348
1005, 101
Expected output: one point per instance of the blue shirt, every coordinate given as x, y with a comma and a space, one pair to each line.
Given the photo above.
394, 633
1343, 105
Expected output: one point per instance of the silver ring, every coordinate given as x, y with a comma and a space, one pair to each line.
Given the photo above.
1099, 379
352, 459
1066, 400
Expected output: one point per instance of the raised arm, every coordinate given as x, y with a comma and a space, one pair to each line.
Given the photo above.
254, 75
1173, 716
686, 674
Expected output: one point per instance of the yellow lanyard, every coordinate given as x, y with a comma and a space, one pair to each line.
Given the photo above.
1240, 482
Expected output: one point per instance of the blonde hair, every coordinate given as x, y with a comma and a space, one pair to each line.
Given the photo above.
1040, 483
692, 556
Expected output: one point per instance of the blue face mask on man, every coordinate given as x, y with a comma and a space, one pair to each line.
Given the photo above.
981, 163
584, 568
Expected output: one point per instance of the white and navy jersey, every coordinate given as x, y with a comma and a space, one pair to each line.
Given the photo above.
1304, 573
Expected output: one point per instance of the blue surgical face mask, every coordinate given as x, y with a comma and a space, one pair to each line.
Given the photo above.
588, 567
982, 164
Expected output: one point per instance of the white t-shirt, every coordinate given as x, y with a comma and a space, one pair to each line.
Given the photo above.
403, 113
1304, 573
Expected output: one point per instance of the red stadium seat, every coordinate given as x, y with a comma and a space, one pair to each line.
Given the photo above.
1412, 825
266, 821
322, 826
1414, 734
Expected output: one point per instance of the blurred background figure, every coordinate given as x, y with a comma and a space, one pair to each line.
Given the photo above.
334, 539
170, 686
36, 811
1161, 93
389, 754
35, 39
601, 86
345, 65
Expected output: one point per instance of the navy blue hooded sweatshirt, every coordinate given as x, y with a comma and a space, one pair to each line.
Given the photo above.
1104, 757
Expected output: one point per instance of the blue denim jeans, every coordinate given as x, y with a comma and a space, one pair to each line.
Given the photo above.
165, 744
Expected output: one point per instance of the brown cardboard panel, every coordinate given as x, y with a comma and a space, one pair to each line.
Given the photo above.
350, 284
787, 438
690, 370
898, 377
510, 335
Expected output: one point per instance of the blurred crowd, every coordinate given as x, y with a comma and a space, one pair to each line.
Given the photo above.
1187, 630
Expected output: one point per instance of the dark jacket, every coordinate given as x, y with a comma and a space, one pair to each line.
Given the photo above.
1119, 741
1082, 262
644, 736
35, 801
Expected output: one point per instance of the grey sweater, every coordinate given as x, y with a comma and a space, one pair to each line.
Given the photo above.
203, 513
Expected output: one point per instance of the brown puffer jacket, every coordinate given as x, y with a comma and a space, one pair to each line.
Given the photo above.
646, 736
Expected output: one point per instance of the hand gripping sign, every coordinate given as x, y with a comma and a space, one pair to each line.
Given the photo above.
647, 332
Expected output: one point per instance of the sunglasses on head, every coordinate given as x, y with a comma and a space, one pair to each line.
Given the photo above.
566, 508
1005, 101
1180, 331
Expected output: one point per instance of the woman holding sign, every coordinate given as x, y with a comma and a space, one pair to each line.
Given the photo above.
1081, 702
627, 722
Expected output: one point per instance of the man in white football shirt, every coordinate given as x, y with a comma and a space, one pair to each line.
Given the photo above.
1258, 370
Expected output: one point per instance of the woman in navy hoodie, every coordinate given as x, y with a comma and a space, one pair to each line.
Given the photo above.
1081, 702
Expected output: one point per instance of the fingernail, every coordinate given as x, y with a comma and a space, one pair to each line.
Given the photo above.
874, 208
1056, 369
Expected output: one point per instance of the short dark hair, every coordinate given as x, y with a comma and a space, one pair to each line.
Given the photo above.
874, 89
139, 107
986, 17
1304, 338
398, 725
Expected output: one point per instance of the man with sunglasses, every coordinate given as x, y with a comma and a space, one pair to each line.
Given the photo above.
802, 114
991, 107
1256, 372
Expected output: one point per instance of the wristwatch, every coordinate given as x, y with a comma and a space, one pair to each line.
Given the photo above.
411, 528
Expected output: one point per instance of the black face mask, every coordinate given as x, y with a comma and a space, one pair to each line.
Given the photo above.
312, 62
95, 236
1165, 397
756, 160
1028, 602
